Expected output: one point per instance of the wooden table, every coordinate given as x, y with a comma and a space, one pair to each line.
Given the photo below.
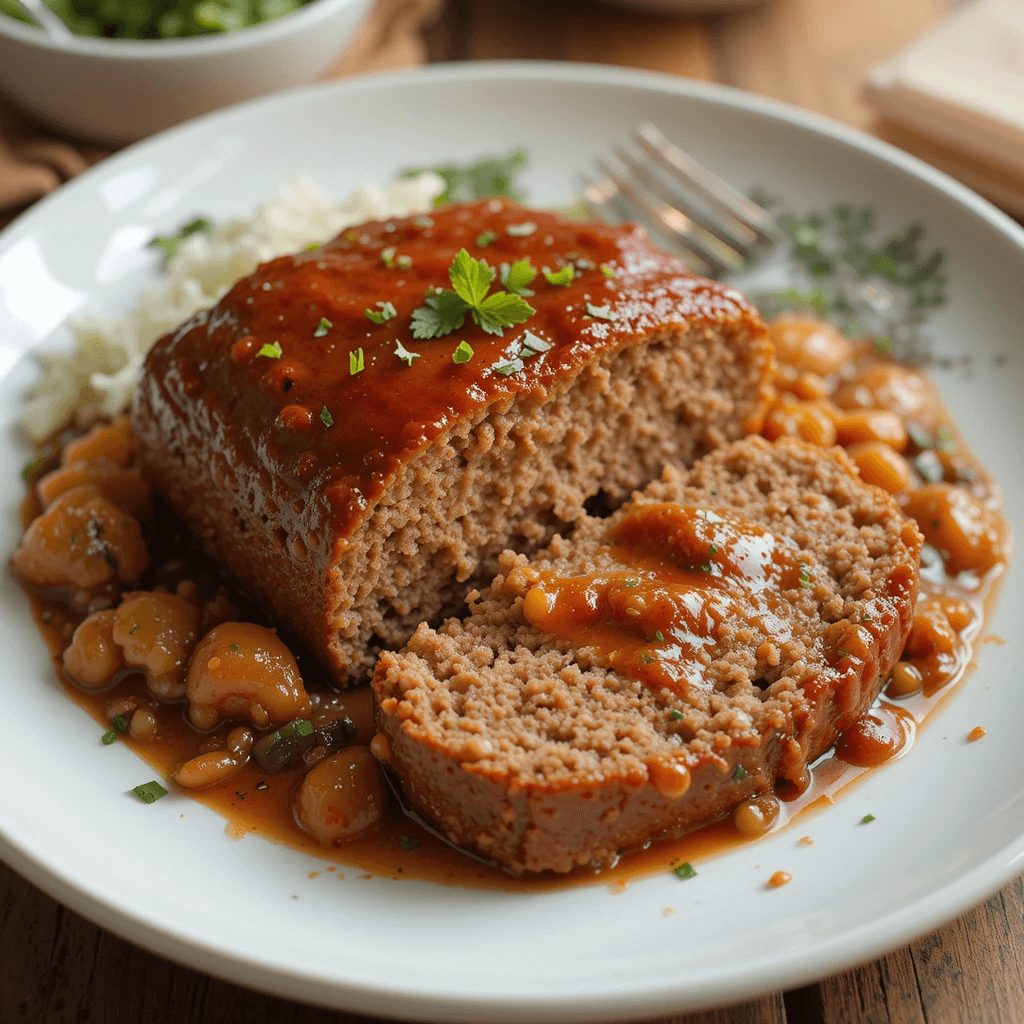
55, 966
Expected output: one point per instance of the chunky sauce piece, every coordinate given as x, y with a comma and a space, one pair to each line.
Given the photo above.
886, 415
336, 432
679, 574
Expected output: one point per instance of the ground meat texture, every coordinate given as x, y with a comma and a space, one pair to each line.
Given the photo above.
530, 751
356, 502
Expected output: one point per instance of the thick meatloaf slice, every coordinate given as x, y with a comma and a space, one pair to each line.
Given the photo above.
354, 477
530, 750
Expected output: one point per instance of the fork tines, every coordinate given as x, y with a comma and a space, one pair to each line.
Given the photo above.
714, 226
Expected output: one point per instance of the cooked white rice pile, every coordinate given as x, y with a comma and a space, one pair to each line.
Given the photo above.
97, 377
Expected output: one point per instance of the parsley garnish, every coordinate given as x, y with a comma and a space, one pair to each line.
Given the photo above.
631, 583
507, 369
170, 243
150, 792
403, 262
471, 279
563, 277
659, 636
34, 466
234, 647
387, 256
867, 819
303, 727
385, 313
534, 344
326, 418
323, 327
311, 247
119, 722
463, 353
271, 351
135, 628
740, 773
805, 576
485, 238
675, 715
685, 870
108, 737
519, 276
646, 658
521, 230
404, 354
601, 312
494, 176
609, 271
409, 843
355, 362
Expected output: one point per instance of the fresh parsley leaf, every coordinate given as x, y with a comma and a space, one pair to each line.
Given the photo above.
404, 354
403, 262
562, 277
442, 313
601, 312
485, 238
385, 313
108, 737
659, 636
507, 369
322, 328
502, 310
387, 256
470, 278
304, 727
493, 176
521, 230
119, 722
740, 773
867, 819
609, 271
170, 243
519, 276
463, 353
685, 870
150, 792
326, 418
675, 715
533, 344
273, 351
355, 362
805, 575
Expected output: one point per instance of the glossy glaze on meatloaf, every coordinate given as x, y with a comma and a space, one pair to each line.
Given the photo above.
355, 491
542, 750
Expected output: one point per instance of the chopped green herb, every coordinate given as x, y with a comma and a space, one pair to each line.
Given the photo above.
805, 575
867, 819
601, 312
518, 277
843, 652
562, 277
712, 550
521, 230
463, 353
706, 567
34, 466
74, 537
303, 727
234, 647
355, 362
609, 271
170, 243
271, 351
326, 418
675, 715
404, 354
659, 636
740, 773
470, 278
387, 256
493, 176
685, 870
865, 618
119, 722
135, 628
646, 658
385, 313
311, 247
409, 843
108, 737
322, 328
485, 238
403, 262
533, 344
150, 792
631, 583
507, 369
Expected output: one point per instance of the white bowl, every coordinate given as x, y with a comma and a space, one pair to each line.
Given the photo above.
120, 90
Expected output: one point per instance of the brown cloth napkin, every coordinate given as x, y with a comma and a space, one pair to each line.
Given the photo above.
33, 162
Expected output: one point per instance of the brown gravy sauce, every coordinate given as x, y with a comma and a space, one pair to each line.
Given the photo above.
258, 803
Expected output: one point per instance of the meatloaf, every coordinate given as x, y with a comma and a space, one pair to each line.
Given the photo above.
354, 477
711, 637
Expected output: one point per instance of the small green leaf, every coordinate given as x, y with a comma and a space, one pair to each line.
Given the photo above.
355, 362
119, 722
463, 353
322, 328
303, 727
501, 310
470, 278
485, 238
519, 276
386, 312
867, 819
108, 737
271, 351
563, 277
441, 314
404, 354
387, 256
609, 271
533, 344
675, 715
601, 312
740, 773
685, 870
170, 243
507, 369
326, 418
659, 636
150, 792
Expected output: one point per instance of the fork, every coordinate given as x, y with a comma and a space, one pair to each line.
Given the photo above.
715, 227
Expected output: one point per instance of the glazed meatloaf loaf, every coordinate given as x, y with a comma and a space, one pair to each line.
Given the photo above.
711, 637
353, 473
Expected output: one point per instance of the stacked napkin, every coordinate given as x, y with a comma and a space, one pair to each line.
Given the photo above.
956, 98
33, 162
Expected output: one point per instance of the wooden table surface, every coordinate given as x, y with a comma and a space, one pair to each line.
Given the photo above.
56, 966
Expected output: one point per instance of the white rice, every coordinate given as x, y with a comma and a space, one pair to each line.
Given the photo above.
96, 379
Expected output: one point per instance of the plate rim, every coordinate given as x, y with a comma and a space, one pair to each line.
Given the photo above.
863, 944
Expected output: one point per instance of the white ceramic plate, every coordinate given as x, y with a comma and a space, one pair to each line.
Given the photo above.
949, 818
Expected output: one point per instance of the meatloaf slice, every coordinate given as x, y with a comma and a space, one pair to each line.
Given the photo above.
353, 476
545, 753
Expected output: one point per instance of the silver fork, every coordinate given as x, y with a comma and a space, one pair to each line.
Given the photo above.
715, 227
